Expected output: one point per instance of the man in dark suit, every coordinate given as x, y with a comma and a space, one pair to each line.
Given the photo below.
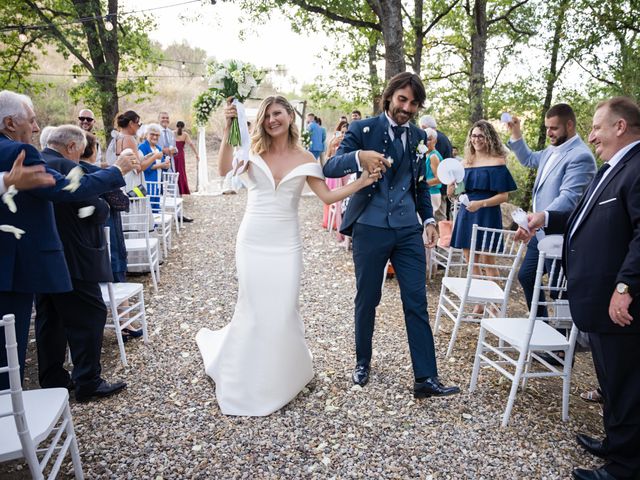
77, 317
601, 257
35, 263
383, 223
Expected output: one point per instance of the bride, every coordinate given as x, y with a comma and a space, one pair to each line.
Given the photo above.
260, 361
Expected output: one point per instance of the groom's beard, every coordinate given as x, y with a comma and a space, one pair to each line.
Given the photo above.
395, 111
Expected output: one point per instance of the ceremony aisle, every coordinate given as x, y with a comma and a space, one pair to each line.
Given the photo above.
167, 425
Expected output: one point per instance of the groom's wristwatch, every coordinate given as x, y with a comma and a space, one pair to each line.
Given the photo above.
622, 288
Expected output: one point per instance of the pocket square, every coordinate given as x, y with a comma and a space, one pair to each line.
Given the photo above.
608, 201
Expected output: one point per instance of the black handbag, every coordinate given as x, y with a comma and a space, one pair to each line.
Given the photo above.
117, 200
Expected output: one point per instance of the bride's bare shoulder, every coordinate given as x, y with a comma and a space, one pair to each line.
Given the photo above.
305, 156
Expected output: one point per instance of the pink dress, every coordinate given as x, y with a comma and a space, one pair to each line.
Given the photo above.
181, 168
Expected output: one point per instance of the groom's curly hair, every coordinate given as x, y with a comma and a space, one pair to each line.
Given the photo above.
260, 140
402, 80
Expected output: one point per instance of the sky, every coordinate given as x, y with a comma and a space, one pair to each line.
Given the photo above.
217, 31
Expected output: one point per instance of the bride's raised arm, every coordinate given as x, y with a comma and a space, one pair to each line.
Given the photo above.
329, 196
225, 154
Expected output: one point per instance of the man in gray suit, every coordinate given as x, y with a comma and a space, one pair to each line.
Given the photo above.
565, 168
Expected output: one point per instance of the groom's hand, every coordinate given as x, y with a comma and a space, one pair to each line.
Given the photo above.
431, 234
370, 160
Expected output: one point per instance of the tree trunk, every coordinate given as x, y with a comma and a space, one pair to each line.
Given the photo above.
552, 78
418, 42
478, 51
374, 79
392, 33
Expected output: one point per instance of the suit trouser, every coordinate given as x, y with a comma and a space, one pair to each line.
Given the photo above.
77, 318
372, 247
616, 358
19, 304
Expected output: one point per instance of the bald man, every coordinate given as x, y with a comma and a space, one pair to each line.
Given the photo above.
87, 121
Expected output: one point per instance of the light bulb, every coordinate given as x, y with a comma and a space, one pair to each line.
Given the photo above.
183, 66
108, 25
75, 78
146, 80
22, 36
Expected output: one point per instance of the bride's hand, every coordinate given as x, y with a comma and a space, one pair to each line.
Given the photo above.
370, 178
230, 112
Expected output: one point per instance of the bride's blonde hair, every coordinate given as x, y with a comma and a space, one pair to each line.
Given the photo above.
261, 140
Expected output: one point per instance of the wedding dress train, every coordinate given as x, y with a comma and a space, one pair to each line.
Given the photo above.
260, 361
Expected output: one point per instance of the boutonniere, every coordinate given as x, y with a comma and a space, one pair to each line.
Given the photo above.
365, 130
421, 149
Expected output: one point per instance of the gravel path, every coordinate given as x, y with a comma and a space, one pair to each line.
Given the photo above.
167, 423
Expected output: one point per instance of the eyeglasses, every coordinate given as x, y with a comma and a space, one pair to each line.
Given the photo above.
86, 119
478, 136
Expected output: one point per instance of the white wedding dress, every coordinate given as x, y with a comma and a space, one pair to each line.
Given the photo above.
260, 361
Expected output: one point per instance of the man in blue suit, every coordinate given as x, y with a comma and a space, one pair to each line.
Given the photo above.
565, 168
35, 263
383, 221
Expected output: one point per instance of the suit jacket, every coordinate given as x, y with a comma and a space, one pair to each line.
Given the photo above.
443, 145
604, 249
373, 134
564, 183
36, 263
83, 239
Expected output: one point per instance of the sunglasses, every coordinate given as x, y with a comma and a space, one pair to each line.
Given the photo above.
86, 119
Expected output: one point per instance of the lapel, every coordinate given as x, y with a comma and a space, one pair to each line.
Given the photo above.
614, 173
383, 125
540, 180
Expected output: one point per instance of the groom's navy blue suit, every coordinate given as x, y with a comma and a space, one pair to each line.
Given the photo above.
383, 223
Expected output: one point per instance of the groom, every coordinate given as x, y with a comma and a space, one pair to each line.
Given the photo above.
383, 223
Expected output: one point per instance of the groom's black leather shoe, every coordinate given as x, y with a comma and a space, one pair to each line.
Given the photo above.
597, 474
361, 375
592, 445
432, 387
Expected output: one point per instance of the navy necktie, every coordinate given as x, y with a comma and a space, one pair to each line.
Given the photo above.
595, 182
397, 141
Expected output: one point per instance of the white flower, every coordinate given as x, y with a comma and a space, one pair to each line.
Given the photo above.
365, 130
244, 90
11, 229
7, 198
237, 76
422, 148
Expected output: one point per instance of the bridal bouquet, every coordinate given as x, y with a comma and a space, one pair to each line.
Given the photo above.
236, 79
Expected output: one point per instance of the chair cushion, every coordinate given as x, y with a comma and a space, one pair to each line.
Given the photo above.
514, 332
479, 290
122, 291
133, 244
42, 407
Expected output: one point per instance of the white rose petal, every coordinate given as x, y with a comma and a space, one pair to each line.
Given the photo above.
7, 198
11, 229
74, 177
85, 212
422, 148
365, 130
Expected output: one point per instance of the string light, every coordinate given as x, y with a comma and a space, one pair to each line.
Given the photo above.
146, 80
75, 78
22, 36
183, 65
109, 23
